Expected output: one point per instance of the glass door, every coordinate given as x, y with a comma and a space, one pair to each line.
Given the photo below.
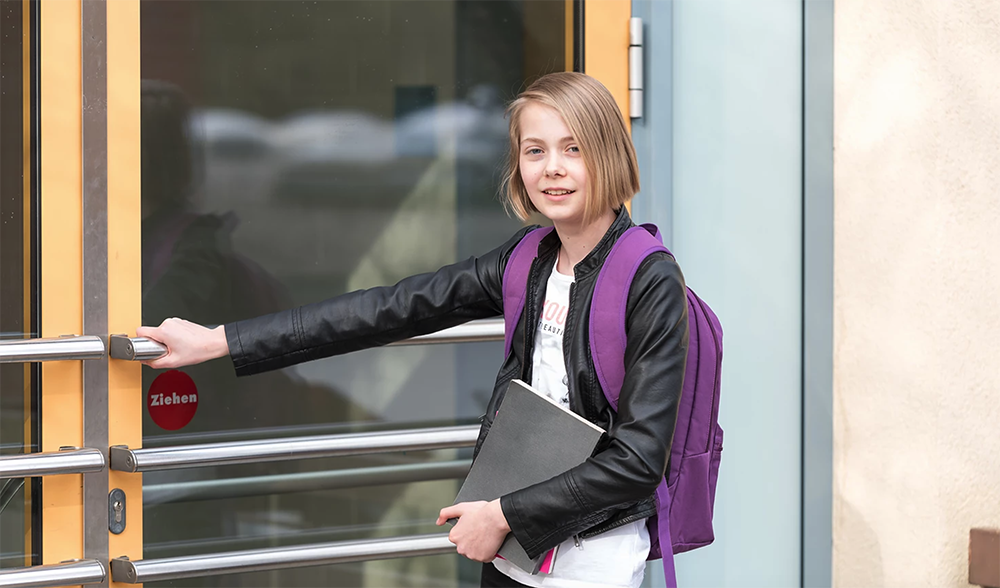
220, 160
19, 401
293, 151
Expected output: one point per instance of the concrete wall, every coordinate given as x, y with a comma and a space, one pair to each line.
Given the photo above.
916, 288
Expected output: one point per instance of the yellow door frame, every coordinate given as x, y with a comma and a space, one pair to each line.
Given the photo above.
605, 55
605, 25
62, 253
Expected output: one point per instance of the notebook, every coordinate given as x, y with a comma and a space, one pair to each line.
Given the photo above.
532, 440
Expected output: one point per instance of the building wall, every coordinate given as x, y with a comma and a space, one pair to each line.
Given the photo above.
917, 278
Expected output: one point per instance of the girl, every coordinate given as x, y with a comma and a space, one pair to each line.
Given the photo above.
571, 159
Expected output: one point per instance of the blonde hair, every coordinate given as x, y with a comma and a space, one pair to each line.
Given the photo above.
597, 125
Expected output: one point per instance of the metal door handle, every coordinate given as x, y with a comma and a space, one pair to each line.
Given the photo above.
71, 347
83, 571
52, 463
135, 348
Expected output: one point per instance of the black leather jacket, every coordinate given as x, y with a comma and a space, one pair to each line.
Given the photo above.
610, 489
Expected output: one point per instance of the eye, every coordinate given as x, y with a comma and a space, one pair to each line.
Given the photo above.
533, 151
573, 148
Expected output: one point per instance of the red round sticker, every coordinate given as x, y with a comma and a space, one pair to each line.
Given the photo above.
172, 400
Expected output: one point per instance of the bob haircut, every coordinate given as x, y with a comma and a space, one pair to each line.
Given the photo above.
592, 115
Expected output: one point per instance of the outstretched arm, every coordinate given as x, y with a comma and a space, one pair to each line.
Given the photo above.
421, 304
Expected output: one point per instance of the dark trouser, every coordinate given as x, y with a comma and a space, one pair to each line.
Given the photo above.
493, 578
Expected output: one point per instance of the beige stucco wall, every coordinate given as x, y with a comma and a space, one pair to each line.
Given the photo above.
916, 288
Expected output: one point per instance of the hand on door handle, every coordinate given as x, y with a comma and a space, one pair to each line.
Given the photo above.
187, 343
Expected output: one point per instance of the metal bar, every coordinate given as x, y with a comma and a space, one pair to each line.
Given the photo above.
472, 332
94, 74
135, 348
302, 482
258, 560
51, 349
52, 463
214, 454
260, 433
85, 571
273, 538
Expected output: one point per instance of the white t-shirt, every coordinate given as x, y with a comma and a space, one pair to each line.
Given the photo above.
616, 557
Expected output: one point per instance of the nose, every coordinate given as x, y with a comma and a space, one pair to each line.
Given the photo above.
554, 167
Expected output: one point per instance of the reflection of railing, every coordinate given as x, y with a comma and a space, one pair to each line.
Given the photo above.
10, 489
173, 492
176, 568
51, 349
215, 454
87, 571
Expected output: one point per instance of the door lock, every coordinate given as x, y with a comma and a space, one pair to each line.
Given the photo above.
116, 511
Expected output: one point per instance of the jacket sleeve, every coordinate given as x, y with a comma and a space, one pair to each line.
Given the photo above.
631, 466
417, 305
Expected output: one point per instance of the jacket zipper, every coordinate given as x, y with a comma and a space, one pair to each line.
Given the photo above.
527, 335
565, 350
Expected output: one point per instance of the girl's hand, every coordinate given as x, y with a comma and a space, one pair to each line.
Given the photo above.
187, 343
480, 530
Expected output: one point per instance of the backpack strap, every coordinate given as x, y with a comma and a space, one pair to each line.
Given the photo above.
515, 282
607, 347
662, 515
607, 311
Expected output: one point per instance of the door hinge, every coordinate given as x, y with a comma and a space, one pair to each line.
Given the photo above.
635, 67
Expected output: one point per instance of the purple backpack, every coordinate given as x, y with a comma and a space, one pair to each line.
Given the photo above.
686, 497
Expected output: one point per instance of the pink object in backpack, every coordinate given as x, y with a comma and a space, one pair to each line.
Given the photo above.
686, 497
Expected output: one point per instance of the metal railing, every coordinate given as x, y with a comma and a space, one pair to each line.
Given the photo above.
472, 332
258, 560
85, 571
174, 492
67, 348
272, 538
51, 463
285, 431
244, 452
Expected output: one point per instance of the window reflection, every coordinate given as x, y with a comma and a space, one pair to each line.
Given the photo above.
293, 151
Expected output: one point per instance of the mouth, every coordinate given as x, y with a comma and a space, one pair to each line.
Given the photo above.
557, 192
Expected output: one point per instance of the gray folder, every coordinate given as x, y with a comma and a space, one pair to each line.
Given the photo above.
532, 440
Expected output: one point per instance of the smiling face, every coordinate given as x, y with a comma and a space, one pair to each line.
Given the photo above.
551, 165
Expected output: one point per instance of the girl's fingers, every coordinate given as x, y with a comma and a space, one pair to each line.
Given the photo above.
148, 332
451, 512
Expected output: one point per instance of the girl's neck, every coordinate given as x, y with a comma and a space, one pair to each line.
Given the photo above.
579, 240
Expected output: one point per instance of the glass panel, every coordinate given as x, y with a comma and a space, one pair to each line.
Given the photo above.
293, 151
737, 187
18, 400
